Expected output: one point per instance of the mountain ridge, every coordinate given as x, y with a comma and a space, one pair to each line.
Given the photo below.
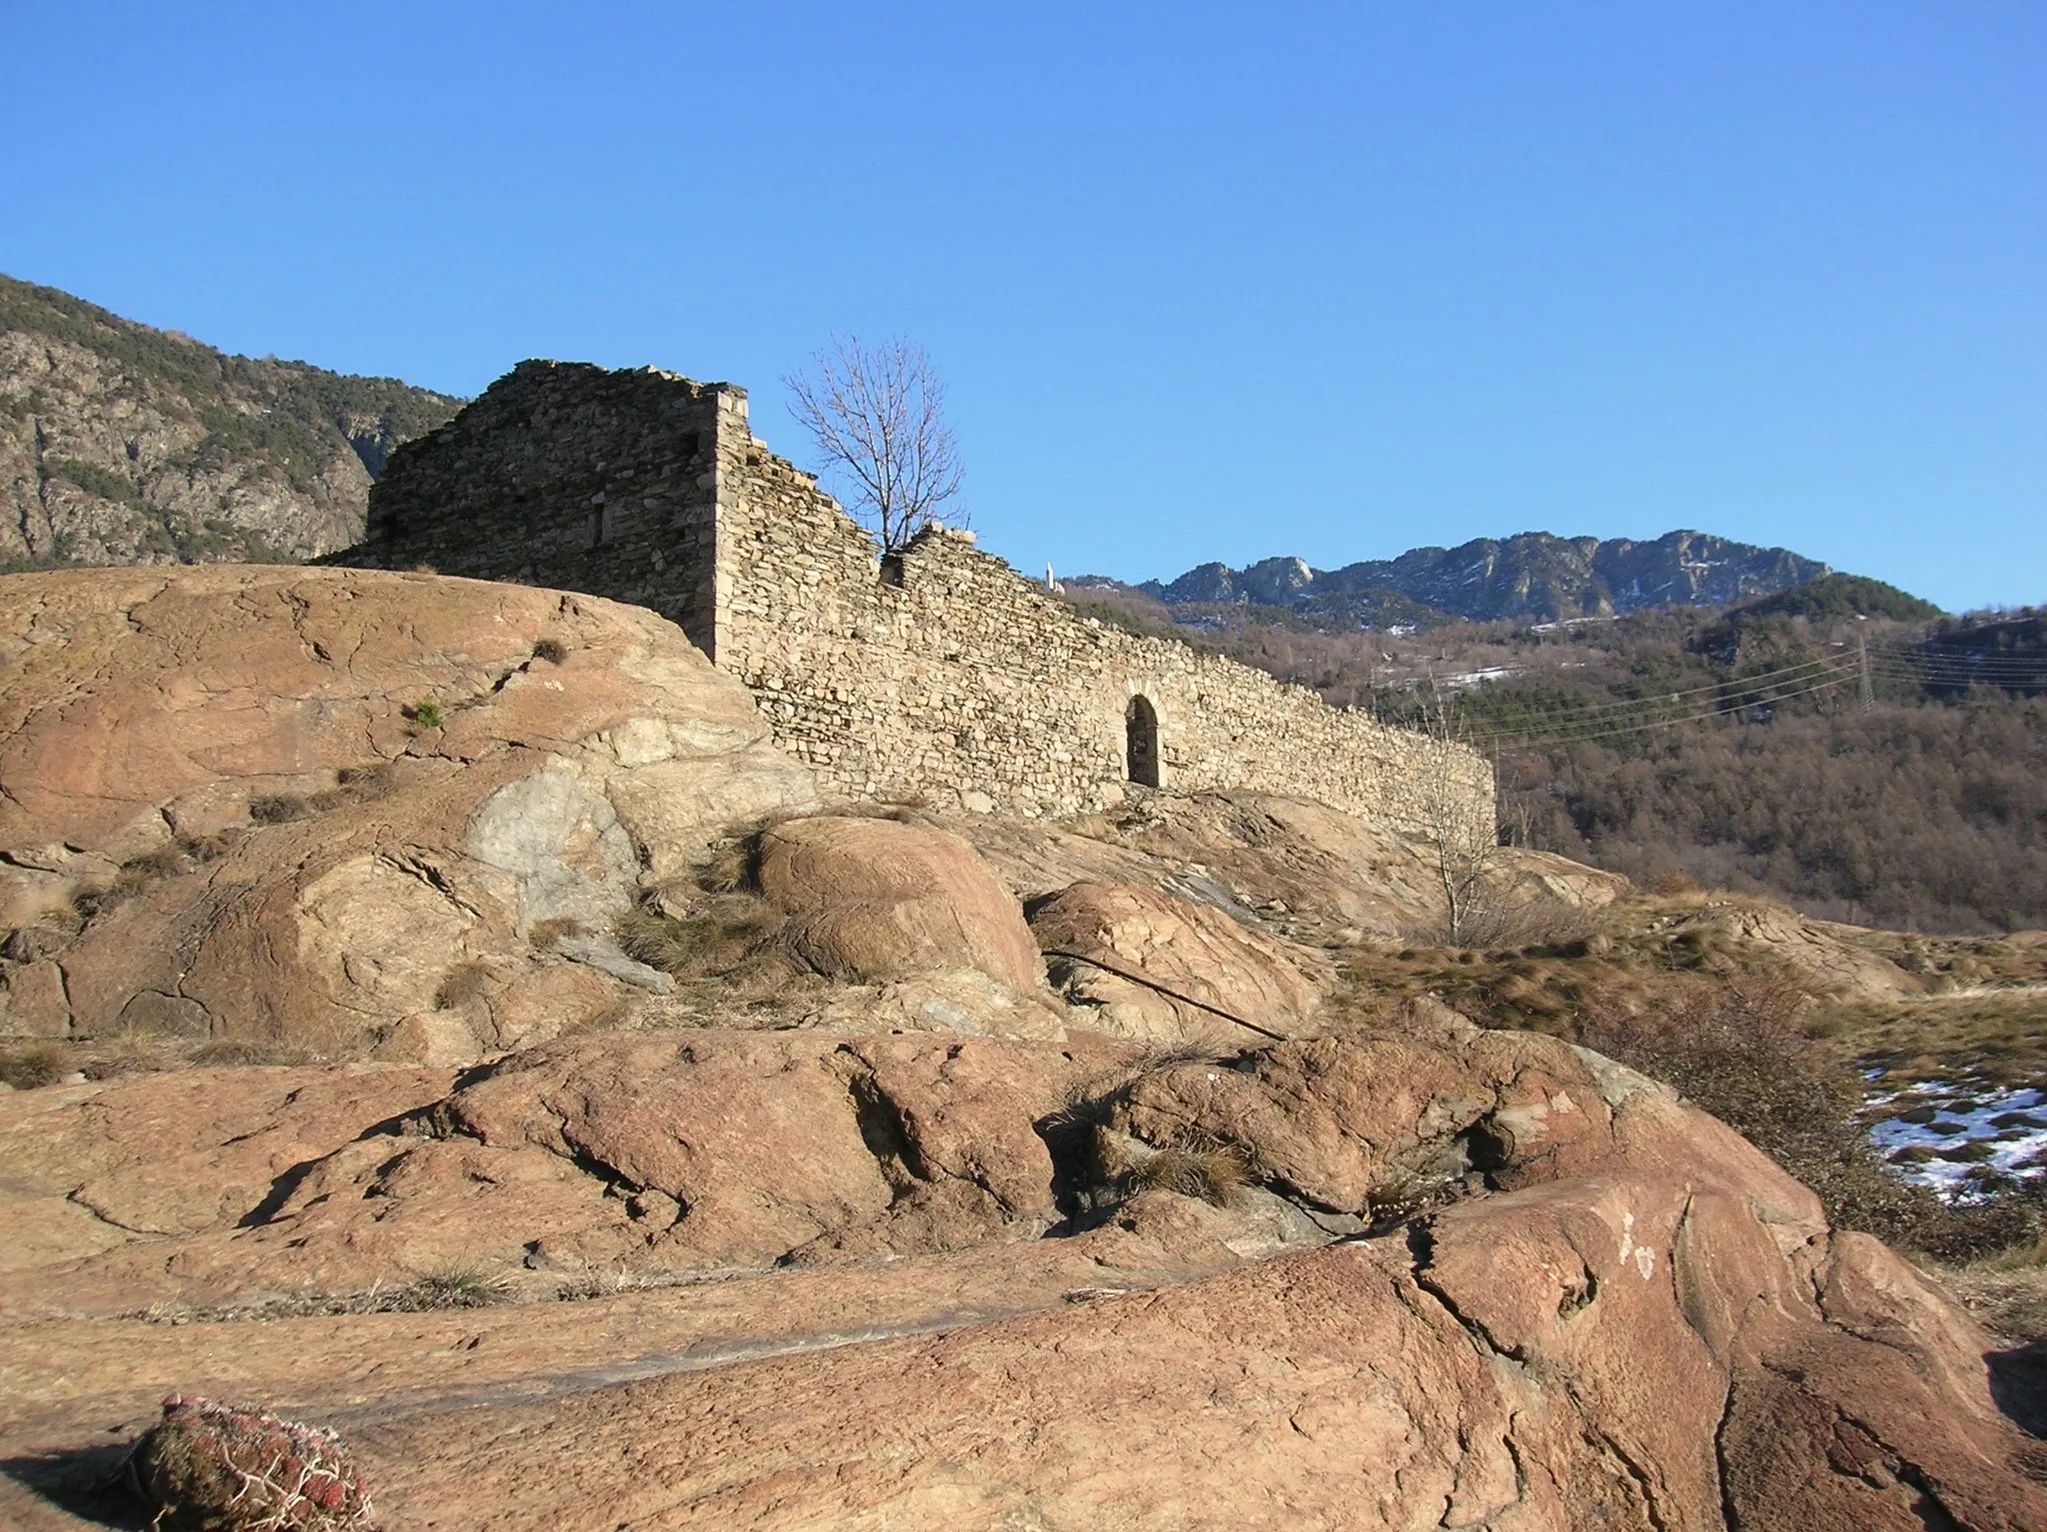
1534, 576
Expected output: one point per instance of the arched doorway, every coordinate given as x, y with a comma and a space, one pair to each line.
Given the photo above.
1141, 741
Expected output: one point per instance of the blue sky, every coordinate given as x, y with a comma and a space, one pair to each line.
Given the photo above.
1205, 282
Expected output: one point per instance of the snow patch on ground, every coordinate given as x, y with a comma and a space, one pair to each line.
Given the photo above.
1963, 1139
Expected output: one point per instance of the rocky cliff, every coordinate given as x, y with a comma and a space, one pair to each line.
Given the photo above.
1533, 576
120, 444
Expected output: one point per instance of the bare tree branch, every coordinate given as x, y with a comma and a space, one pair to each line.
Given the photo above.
877, 416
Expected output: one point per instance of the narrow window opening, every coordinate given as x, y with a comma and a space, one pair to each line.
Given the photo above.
892, 569
1141, 742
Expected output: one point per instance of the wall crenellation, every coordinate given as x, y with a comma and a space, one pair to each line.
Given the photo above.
940, 672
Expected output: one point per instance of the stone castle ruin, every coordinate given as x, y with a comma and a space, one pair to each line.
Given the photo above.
937, 672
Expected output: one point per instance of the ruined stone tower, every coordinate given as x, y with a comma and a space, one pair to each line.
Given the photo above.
938, 672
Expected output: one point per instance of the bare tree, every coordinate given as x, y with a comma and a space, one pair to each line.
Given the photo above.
1462, 834
877, 414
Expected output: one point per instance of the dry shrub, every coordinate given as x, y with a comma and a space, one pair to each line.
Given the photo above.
164, 862
660, 941
211, 1467
462, 983
279, 808
545, 933
33, 1067
1671, 884
356, 784
553, 650
458, 1287
711, 942
201, 849
1196, 1166
734, 866
237, 1052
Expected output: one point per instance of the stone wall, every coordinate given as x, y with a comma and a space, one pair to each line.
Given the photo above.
938, 673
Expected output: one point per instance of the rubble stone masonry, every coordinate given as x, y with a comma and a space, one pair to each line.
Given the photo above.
938, 673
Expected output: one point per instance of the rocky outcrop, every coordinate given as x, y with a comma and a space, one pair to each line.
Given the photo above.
329, 810
1158, 965
120, 444
1469, 1279
877, 899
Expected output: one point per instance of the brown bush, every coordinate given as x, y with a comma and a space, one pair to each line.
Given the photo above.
279, 808
545, 933
32, 1067
211, 1467
462, 983
553, 650
1196, 1166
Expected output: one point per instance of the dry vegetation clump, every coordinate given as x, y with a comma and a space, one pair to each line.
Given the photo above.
453, 1287
461, 984
715, 929
32, 1066
673, 945
240, 1052
1195, 1165
212, 1467
552, 650
544, 934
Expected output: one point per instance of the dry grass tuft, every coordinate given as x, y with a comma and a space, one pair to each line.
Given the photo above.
235, 1052
454, 1287
545, 933
279, 808
463, 983
734, 866
715, 941
552, 650
1196, 1166
33, 1066
660, 941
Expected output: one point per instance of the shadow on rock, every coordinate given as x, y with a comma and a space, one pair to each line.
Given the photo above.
2018, 1382
84, 1482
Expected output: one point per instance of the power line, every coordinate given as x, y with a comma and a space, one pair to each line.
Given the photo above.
1918, 663
1748, 699
1802, 670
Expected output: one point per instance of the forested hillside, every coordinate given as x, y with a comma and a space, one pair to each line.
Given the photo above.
120, 444
1752, 750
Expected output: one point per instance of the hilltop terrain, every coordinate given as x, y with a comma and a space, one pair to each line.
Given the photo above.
120, 444
438, 1011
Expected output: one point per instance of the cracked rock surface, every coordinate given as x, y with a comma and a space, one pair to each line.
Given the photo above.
890, 1281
